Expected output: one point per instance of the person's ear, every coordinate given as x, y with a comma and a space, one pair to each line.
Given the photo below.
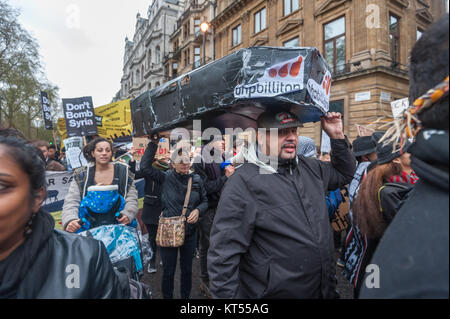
397, 160
39, 198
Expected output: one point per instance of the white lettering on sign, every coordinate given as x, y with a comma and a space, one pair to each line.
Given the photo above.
278, 79
320, 93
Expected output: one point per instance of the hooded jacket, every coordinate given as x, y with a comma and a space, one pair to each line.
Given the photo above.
413, 254
271, 236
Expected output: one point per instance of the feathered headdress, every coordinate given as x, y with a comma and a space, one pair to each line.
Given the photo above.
408, 125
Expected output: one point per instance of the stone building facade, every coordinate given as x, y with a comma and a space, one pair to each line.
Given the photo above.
143, 67
365, 42
189, 46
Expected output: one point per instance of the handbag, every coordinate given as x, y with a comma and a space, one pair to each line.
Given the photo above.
171, 230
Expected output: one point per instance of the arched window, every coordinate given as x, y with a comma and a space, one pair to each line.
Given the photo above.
138, 76
157, 84
158, 55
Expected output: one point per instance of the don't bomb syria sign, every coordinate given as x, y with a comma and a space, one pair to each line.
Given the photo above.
79, 115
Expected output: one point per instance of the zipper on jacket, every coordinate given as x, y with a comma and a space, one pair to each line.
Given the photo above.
153, 187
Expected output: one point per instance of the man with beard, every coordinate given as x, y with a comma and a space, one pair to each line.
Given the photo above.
271, 236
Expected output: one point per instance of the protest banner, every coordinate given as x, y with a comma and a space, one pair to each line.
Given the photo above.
112, 120
79, 116
74, 156
46, 111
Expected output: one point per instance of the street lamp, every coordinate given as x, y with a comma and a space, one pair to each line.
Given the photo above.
204, 28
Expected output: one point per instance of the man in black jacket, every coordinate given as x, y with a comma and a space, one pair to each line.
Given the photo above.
214, 179
271, 236
412, 257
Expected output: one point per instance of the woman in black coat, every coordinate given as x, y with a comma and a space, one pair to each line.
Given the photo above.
174, 187
37, 261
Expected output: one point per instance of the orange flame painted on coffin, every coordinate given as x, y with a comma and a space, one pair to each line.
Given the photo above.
326, 84
283, 71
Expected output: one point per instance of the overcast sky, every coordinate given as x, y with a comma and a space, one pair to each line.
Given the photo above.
82, 42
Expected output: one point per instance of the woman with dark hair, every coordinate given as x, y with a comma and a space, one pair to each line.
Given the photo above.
174, 187
379, 197
37, 261
100, 171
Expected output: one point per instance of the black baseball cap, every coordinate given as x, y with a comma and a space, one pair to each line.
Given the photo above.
364, 145
279, 120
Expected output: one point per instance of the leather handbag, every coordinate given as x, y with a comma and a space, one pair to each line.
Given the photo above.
171, 230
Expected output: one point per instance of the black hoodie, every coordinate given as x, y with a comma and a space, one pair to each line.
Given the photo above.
412, 256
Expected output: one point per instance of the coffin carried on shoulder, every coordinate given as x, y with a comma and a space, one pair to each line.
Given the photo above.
233, 91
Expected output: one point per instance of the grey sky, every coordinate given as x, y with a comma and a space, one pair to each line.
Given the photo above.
82, 42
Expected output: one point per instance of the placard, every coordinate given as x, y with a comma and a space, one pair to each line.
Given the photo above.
399, 106
163, 148
140, 145
74, 156
80, 117
46, 111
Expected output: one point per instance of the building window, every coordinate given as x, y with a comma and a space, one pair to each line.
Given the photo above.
158, 55
196, 26
291, 43
174, 69
260, 20
290, 6
138, 76
419, 33
394, 37
197, 59
237, 35
334, 44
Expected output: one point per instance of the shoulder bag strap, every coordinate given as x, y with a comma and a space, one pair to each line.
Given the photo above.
188, 195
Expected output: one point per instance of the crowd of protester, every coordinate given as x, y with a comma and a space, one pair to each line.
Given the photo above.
262, 215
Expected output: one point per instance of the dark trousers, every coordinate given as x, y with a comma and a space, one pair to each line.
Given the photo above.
169, 259
205, 224
152, 229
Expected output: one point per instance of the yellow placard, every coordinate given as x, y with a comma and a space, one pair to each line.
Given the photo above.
115, 119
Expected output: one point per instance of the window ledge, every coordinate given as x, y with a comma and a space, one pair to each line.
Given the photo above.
259, 33
235, 46
290, 14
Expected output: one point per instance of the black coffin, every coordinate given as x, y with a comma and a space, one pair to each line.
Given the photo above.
234, 90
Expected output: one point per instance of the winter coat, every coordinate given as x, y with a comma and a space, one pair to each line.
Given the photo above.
152, 190
76, 268
84, 177
174, 188
413, 255
271, 236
